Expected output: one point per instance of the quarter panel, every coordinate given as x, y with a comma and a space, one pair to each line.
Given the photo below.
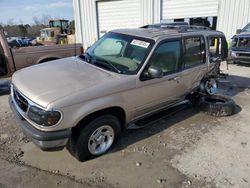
192, 77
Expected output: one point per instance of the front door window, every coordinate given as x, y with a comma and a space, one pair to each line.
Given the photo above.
167, 57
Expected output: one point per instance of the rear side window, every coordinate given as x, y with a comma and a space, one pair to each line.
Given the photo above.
194, 51
215, 46
167, 57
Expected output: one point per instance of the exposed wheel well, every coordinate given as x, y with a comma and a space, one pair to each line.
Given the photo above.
48, 59
116, 111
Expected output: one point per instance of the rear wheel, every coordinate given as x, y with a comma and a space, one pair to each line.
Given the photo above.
97, 137
62, 40
209, 86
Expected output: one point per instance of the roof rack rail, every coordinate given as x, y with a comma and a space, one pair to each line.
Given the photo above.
180, 28
185, 28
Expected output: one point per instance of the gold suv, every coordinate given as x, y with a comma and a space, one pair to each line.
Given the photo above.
85, 102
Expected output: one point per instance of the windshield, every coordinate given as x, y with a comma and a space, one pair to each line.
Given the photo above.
57, 23
119, 53
246, 28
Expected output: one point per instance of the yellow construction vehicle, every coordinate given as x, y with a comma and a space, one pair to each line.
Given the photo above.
58, 32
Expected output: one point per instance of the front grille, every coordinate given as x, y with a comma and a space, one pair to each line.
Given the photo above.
20, 100
243, 55
244, 42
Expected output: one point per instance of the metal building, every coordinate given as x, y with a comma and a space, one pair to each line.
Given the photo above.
96, 17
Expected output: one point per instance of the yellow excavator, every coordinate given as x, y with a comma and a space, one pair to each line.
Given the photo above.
58, 32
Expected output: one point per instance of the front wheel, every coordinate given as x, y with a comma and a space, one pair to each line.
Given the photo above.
97, 137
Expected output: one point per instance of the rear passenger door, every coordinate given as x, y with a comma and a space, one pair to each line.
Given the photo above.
194, 61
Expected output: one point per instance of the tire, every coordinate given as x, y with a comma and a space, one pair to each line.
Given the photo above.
83, 148
209, 86
71, 145
217, 105
62, 40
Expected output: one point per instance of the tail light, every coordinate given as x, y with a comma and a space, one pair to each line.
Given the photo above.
81, 50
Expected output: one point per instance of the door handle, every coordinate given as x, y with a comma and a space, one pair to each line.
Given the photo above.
177, 78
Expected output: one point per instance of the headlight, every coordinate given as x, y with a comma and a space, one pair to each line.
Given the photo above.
42, 117
233, 54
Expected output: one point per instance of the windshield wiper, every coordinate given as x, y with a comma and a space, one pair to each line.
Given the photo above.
105, 63
93, 60
87, 57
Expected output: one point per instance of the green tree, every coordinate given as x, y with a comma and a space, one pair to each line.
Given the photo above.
22, 30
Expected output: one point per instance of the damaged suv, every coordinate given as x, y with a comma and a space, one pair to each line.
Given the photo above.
85, 102
240, 50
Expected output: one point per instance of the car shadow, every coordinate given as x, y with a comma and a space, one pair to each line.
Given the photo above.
166, 119
232, 85
243, 64
237, 109
155, 124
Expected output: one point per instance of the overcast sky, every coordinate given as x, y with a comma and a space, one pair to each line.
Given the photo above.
25, 10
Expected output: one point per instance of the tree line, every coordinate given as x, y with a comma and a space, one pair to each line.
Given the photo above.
28, 30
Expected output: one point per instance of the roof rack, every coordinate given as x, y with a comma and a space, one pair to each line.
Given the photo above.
185, 28
181, 28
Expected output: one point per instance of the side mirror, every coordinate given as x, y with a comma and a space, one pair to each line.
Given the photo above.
238, 31
155, 72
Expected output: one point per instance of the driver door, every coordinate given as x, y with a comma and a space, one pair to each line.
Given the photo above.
161, 92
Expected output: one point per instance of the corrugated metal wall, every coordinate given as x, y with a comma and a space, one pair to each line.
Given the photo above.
87, 27
86, 21
172, 9
118, 14
233, 14
150, 11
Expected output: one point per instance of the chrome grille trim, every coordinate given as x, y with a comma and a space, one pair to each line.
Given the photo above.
24, 114
20, 100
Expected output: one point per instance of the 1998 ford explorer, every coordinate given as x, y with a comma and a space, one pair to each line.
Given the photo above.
85, 102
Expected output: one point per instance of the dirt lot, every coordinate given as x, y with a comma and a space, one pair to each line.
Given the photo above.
186, 149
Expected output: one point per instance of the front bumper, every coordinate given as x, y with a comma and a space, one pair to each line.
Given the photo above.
241, 56
55, 140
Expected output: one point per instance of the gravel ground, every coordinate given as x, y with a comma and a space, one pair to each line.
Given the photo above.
185, 149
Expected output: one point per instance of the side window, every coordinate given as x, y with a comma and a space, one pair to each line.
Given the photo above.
194, 51
214, 46
109, 46
167, 56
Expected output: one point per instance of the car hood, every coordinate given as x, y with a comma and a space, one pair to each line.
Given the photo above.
48, 82
244, 34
